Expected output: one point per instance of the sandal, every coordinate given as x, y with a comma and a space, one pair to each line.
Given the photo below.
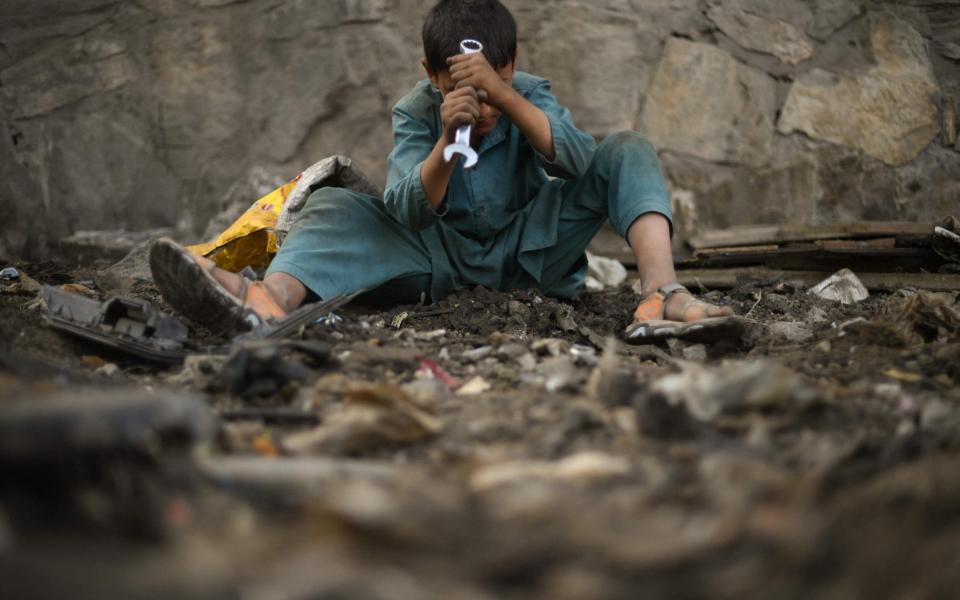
186, 282
649, 326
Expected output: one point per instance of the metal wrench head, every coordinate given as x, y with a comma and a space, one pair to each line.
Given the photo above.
468, 153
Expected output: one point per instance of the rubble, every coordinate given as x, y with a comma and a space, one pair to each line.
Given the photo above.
351, 437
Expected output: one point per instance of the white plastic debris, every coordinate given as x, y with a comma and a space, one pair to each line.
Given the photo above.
603, 273
843, 286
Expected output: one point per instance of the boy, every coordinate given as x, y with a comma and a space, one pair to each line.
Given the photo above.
503, 224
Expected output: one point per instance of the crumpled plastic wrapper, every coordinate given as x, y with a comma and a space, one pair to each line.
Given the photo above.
254, 238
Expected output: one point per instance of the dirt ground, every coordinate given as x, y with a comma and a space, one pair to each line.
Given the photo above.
506, 445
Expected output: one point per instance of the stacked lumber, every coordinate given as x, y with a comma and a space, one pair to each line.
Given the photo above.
886, 255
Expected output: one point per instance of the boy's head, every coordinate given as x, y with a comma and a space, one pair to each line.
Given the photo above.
487, 21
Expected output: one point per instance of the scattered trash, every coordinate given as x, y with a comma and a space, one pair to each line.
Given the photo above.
791, 331
559, 374
264, 368
583, 355
696, 353
371, 417
23, 284
903, 376
563, 313
582, 468
271, 415
132, 326
550, 347
9, 274
477, 385
477, 353
427, 391
428, 368
734, 386
289, 480
938, 414
397, 321
609, 383
329, 319
603, 273
116, 458
264, 445
946, 241
429, 336
927, 317
843, 286
108, 370
80, 290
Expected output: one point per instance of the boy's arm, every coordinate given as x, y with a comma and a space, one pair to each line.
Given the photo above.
417, 175
473, 70
563, 150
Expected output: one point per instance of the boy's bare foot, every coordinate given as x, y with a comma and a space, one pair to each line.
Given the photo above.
684, 306
220, 300
672, 311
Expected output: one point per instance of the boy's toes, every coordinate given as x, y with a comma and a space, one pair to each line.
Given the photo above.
686, 307
720, 311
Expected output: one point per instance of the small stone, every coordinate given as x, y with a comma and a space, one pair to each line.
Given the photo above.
108, 370
550, 347
477, 353
518, 309
791, 331
936, 414
527, 362
511, 351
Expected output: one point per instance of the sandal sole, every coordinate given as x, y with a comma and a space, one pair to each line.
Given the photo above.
715, 329
193, 291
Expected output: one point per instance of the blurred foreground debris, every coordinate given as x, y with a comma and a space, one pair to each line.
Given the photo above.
116, 457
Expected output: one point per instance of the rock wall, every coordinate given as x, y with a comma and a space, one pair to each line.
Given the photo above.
139, 115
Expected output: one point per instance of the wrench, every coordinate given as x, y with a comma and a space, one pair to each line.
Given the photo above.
461, 139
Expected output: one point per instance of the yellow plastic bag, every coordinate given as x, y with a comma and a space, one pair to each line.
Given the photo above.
250, 241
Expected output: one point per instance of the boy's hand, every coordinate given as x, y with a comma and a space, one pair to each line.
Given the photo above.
473, 70
460, 107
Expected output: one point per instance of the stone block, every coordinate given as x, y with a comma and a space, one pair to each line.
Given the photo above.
704, 103
831, 15
887, 111
567, 49
765, 27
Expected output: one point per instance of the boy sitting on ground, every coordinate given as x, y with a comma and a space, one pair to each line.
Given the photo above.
503, 224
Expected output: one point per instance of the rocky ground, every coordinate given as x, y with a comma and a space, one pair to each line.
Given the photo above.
493, 446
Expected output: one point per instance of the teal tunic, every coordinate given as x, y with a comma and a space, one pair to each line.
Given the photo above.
516, 220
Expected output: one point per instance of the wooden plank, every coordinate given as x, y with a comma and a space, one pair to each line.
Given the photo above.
811, 257
878, 282
751, 235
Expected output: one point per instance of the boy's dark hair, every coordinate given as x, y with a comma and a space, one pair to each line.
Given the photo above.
487, 21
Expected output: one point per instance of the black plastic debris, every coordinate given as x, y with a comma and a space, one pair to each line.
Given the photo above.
263, 368
133, 326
